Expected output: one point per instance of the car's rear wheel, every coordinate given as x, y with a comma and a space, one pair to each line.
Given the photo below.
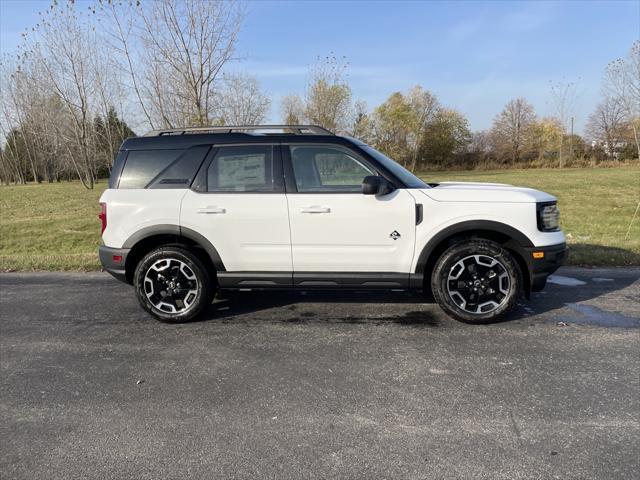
476, 281
173, 285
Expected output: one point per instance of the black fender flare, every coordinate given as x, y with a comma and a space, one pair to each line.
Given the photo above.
519, 239
177, 231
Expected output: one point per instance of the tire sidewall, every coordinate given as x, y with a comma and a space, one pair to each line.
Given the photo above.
439, 279
203, 296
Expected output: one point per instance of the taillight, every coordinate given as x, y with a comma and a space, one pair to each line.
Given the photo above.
103, 216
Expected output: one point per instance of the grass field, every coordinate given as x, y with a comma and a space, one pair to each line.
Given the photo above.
55, 226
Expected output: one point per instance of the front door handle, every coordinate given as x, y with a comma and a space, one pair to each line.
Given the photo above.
211, 210
315, 209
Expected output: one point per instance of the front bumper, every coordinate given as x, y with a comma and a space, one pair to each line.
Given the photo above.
553, 256
113, 261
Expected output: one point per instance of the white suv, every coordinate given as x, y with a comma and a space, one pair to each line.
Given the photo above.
189, 212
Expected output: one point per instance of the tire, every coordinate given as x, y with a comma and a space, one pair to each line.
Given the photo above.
173, 285
476, 281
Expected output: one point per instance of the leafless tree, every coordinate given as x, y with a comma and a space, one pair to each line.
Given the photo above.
510, 129
241, 101
606, 125
479, 146
65, 55
172, 54
622, 84
564, 97
118, 26
12, 103
187, 43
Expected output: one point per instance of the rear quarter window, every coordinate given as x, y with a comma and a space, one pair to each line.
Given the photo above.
181, 173
142, 166
114, 178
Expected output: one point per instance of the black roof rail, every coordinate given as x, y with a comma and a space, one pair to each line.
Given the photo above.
295, 129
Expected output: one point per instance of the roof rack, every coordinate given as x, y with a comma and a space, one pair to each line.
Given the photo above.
295, 129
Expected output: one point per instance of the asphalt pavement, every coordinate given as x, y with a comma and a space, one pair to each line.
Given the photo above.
319, 385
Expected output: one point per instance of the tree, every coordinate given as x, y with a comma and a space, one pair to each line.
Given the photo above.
79, 75
401, 122
327, 99
510, 130
65, 58
479, 149
292, 108
110, 132
564, 97
15, 156
546, 138
241, 101
363, 124
328, 96
172, 53
622, 85
606, 125
424, 107
393, 124
578, 145
445, 136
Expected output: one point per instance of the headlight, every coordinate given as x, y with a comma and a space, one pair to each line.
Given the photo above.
548, 217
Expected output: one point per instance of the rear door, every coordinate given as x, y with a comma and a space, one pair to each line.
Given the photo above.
238, 203
334, 227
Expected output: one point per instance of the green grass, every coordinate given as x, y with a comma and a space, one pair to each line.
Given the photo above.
55, 226
49, 227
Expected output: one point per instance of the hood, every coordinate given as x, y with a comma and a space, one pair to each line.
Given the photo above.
485, 192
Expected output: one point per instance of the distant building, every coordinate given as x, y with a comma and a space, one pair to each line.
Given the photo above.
617, 147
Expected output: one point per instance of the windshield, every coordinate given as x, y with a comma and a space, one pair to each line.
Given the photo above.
408, 178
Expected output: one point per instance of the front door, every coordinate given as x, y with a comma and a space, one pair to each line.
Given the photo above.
241, 208
334, 227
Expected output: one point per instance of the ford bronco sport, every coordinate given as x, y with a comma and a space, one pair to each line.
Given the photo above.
192, 211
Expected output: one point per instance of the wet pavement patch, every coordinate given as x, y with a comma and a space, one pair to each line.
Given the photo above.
565, 281
590, 315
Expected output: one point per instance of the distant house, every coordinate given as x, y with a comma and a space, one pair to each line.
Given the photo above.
617, 147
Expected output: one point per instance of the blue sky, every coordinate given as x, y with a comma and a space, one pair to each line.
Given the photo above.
474, 56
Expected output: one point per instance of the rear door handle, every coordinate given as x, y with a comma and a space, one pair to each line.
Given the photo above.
211, 210
315, 209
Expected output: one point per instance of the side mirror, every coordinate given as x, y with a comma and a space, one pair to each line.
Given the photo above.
374, 185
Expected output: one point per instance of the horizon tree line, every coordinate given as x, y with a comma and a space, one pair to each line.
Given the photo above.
85, 79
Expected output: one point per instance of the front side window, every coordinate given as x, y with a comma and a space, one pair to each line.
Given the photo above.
327, 169
243, 169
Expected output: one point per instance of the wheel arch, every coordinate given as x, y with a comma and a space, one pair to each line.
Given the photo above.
509, 237
146, 239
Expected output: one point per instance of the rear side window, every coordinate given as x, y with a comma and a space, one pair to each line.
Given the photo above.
142, 166
249, 168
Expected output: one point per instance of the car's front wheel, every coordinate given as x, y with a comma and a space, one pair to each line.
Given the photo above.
476, 281
172, 284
